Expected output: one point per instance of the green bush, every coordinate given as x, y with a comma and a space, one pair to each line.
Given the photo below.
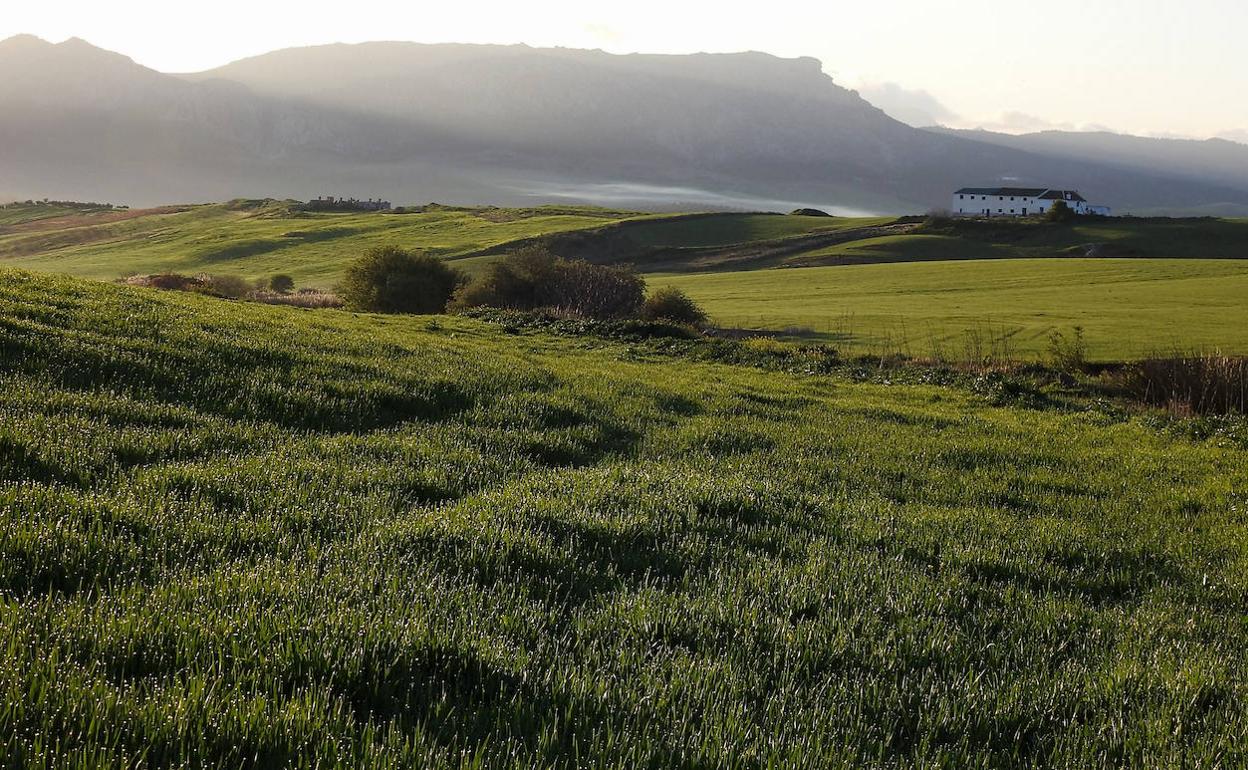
232, 286
1060, 212
533, 278
282, 283
598, 291
388, 279
672, 304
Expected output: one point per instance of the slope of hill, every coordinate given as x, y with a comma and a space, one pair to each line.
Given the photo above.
728, 241
268, 538
506, 124
258, 238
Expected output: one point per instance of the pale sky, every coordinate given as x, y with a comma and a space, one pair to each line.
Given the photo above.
1163, 67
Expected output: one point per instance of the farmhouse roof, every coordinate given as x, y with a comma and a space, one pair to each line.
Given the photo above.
1016, 192
1043, 193
1063, 195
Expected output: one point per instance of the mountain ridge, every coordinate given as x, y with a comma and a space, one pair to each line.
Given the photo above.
506, 124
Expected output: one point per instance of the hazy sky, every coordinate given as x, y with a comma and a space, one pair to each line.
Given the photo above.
1143, 66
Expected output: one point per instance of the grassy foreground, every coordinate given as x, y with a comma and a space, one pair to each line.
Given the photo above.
1127, 307
249, 536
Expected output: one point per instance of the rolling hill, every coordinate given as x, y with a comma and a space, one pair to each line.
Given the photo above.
506, 124
262, 537
257, 238
1137, 286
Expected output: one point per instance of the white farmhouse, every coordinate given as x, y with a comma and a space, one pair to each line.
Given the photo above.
1018, 201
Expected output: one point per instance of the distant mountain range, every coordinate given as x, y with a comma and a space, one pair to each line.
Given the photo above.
513, 124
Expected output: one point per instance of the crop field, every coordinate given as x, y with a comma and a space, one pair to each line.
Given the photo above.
260, 239
1127, 307
254, 536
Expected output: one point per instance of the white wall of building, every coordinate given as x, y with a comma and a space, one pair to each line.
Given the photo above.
995, 205
1011, 206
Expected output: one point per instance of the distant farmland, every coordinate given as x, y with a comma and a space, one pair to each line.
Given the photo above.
1154, 284
1127, 307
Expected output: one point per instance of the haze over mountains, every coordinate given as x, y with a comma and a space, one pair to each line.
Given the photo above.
513, 124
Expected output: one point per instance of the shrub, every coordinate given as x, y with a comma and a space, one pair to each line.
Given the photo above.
672, 304
598, 291
522, 280
1060, 212
232, 286
167, 281
1191, 383
388, 279
1068, 354
533, 278
309, 298
282, 284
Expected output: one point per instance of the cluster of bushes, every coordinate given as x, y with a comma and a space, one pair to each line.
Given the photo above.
273, 290
393, 280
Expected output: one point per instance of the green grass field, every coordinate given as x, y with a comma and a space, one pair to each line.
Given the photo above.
260, 240
1127, 307
242, 536
998, 239
17, 213
1130, 304
728, 229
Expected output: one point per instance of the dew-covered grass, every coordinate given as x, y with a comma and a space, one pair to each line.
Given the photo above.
250, 536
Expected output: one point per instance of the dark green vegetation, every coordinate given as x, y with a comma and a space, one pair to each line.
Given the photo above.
388, 279
532, 278
673, 305
257, 536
